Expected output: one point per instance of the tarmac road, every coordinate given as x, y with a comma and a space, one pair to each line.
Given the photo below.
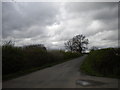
63, 75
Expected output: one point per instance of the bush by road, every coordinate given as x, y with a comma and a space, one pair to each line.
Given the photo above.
30, 58
104, 62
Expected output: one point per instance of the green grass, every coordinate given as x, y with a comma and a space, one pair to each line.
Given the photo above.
103, 63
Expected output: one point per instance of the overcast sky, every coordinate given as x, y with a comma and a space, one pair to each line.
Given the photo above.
52, 24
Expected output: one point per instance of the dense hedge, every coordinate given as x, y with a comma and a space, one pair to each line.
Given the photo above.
104, 62
16, 59
12, 59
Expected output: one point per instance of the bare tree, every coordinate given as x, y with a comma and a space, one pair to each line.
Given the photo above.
8, 43
69, 45
78, 43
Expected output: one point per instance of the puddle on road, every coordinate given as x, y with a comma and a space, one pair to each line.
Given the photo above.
86, 83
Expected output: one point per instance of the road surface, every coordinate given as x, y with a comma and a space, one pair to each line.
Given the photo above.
65, 75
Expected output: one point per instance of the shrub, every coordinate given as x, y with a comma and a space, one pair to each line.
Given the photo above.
103, 62
12, 59
15, 59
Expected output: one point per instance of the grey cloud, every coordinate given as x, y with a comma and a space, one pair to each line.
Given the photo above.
21, 16
104, 12
88, 6
54, 23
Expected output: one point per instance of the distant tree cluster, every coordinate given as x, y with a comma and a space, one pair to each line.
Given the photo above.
77, 44
39, 46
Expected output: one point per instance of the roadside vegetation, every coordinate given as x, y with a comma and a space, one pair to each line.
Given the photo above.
18, 61
103, 62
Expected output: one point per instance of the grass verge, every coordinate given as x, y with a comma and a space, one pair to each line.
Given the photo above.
102, 63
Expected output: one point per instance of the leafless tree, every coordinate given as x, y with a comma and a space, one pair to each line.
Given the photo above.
78, 43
